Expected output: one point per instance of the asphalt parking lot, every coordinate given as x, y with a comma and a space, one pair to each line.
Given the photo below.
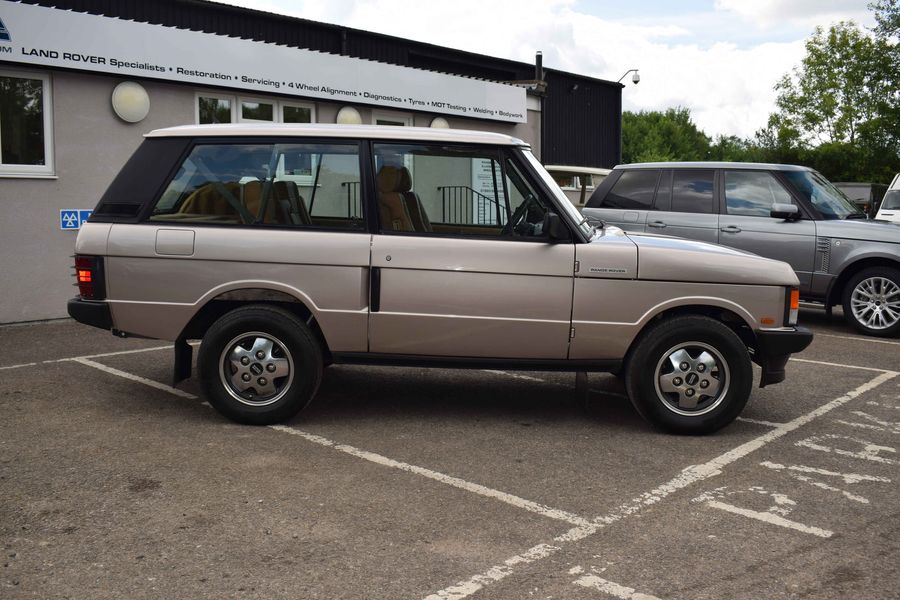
440, 484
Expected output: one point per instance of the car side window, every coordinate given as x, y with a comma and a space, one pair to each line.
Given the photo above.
752, 193
286, 185
454, 190
692, 191
634, 189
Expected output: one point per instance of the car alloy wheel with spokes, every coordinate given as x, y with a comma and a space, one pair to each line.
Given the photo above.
875, 302
871, 301
255, 368
692, 378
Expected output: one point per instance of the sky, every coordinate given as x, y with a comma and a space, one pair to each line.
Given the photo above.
718, 58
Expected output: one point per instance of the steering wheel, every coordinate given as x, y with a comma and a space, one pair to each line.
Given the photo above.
519, 215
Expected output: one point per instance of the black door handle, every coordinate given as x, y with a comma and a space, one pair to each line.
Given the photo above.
658, 224
730, 229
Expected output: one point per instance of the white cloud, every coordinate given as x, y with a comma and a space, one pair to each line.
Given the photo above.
727, 86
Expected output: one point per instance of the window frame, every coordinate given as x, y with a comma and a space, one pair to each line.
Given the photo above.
199, 95
276, 109
504, 154
282, 104
407, 118
48, 169
362, 155
723, 205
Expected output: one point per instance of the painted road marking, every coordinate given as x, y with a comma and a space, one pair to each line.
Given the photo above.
831, 364
456, 482
771, 518
616, 590
137, 378
688, 476
849, 478
857, 338
758, 422
869, 451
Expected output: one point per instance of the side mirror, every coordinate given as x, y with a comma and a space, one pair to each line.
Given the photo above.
788, 212
555, 229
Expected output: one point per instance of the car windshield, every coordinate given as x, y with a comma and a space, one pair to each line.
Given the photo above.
826, 198
561, 198
891, 200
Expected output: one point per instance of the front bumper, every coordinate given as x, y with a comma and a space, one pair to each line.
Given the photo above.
774, 348
95, 314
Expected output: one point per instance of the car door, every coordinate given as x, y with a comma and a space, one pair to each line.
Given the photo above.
745, 222
685, 205
460, 265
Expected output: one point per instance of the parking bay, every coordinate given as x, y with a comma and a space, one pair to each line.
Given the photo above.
416, 483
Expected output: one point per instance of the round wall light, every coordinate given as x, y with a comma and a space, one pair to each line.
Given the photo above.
130, 102
440, 123
348, 116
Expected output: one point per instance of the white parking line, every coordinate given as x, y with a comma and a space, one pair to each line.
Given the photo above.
831, 364
688, 476
758, 422
771, 518
137, 378
613, 589
456, 482
18, 366
858, 339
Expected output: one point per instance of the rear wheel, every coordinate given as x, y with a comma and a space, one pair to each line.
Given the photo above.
872, 301
259, 365
689, 375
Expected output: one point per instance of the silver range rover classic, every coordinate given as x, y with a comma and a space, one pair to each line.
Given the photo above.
289, 248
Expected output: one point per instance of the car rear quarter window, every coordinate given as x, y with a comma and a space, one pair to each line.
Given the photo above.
266, 184
634, 189
752, 193
692, 191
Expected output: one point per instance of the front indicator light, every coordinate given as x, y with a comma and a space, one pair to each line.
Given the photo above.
794, 307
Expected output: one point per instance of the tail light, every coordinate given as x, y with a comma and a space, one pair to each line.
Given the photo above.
89, 277
792, 306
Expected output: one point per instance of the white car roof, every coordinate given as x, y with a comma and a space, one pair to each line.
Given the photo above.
387, 132
577, 170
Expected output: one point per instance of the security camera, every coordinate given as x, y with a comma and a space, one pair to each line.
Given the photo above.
636, 78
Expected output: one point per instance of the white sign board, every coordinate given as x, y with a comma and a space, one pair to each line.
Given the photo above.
59, 38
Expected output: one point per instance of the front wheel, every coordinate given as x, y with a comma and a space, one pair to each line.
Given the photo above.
259, 365
690, 375
872, 301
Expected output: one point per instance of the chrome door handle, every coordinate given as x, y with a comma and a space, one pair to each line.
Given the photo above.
730, 229
658, 224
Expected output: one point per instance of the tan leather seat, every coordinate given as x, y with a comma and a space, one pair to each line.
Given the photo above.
391, 203
251, 197
208, 200
397, 180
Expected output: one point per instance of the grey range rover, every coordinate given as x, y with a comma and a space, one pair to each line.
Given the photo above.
785, 212
289, 248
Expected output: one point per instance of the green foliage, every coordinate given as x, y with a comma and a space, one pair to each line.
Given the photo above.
838, 111
650, 136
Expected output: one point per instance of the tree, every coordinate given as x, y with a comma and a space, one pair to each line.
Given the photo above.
649, 136
838, 87
887, 17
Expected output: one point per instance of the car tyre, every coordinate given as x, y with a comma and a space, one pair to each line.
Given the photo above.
260, 365
871, 301
689, 375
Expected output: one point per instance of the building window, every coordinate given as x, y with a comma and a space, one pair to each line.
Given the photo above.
26, 131
380, 117
233, 109
213, 109
257, 111
297, 113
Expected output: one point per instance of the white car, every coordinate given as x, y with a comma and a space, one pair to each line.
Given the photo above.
890, 204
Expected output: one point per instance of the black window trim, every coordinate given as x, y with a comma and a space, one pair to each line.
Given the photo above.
145, 214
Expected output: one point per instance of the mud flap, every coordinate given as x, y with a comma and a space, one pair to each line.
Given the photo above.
183, 357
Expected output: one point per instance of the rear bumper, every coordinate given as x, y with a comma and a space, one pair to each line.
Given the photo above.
95, 314
774, 348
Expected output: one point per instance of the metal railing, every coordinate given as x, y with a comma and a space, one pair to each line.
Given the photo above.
461, 204
354, 207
